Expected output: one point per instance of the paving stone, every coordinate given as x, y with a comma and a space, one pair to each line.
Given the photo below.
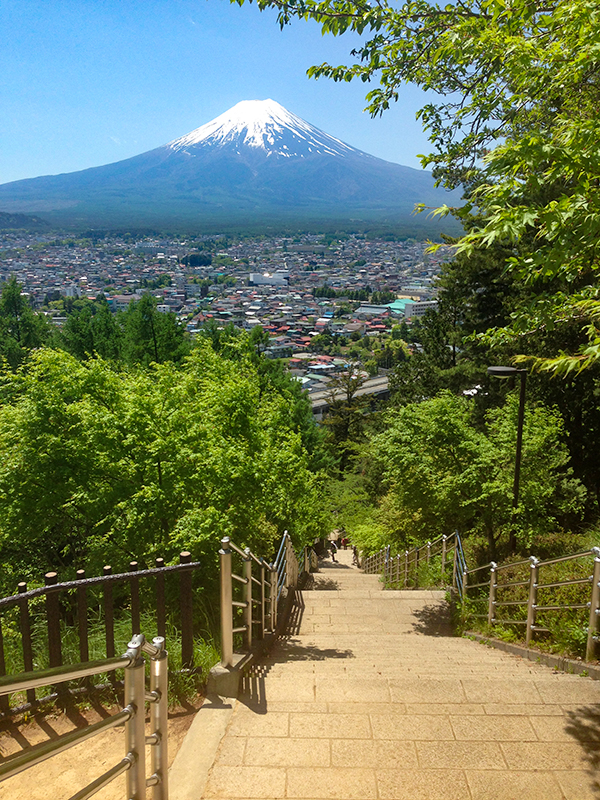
359, 707
444, 709
577, 785
373, 691
500, 729
330, 726
467, 755
491, 785
558, 729
544, 755
396, 726
250, 782
373, 753
274, 723
231, 752
335, 783
287, 752
426, 690
422, 785
501, 690
523, 710
285, 706
569, 691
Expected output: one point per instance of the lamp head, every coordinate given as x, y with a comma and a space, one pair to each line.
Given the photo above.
503, 372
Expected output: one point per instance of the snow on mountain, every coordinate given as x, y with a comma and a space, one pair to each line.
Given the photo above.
255, 164
266, 125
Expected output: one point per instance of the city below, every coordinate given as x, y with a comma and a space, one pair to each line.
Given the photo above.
323, 300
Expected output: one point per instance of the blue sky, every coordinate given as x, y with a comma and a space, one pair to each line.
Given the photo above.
89, 82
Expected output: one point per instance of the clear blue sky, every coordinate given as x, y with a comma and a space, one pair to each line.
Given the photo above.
89, 82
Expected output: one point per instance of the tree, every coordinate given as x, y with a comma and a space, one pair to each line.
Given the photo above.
151, 336
345, 420
515, 124
442, 473
21, 329
100, 464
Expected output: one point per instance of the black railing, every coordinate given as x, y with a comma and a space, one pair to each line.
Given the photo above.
68, 601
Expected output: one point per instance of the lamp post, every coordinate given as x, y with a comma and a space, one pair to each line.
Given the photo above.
511, 372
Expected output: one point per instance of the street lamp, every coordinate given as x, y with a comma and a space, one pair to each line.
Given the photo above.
511, 372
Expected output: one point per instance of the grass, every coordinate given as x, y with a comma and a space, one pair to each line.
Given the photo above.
182, 684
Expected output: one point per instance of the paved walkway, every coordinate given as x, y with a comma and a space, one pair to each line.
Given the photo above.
369, 697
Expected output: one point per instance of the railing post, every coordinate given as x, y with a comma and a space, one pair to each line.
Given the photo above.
109, 619
248, 600
187, 612
53, 620
134, 588
492, 598
454, 563
590, 650
428, 552
273, 594
288, 562
4, 700
444, 539
161, 615
417, 568
25, 623
159, 755
82, 621
226, 607
135, 736
261, 627
532, 600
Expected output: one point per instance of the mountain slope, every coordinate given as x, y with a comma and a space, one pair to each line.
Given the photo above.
255, 161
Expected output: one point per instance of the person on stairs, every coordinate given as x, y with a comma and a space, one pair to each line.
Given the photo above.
333, 548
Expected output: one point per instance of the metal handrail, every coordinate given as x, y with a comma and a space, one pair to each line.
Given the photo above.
134, 762
30, 594
390, 567
270, 582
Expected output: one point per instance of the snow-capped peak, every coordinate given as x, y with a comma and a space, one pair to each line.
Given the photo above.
263, 124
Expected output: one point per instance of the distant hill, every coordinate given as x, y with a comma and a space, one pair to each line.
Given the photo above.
20, 221
257, 163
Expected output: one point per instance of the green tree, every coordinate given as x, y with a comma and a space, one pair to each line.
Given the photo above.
21, 329
442, 473
345, 419
151, 336
99, 464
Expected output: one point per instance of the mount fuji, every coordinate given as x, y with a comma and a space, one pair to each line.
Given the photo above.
255, 164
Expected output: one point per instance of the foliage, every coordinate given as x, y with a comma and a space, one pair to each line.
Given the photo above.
102, 465
20, 328
513, 120
441, 473
345, 420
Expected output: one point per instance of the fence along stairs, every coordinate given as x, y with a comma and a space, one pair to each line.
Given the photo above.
370, 696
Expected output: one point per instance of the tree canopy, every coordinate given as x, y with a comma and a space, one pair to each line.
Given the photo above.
441, 472
515, 124
102, 464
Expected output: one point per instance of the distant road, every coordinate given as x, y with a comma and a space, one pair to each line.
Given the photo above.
376, 386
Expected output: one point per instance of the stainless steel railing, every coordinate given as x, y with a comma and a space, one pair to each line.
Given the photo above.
268, 581
403, 570
133, 764
483, 584
524, 594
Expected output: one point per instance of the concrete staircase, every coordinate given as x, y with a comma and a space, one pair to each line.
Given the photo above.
369, 696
